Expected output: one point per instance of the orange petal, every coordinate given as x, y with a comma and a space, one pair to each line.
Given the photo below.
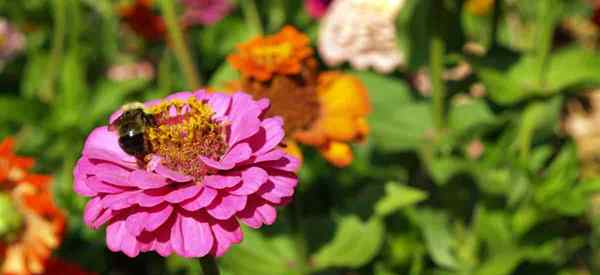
340, 128
337, 153
343, 94
14, 262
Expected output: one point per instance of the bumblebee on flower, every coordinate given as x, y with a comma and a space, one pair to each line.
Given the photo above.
210, 162
326, 110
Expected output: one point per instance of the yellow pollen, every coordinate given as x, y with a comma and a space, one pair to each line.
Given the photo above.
272, 55
183, 136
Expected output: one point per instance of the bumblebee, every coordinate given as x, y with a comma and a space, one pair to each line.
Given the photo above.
131, 126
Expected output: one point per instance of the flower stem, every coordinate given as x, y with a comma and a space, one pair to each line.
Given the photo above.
497, 13
180, 48
252, 16
58, 40
437, 50
295, 215
209, 265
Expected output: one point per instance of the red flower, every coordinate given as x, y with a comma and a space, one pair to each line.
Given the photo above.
142, 20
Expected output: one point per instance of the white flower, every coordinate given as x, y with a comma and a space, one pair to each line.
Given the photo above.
361, 32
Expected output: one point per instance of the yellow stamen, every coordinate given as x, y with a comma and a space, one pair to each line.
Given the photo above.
182, 138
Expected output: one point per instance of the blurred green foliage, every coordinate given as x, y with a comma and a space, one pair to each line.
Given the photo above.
413, 202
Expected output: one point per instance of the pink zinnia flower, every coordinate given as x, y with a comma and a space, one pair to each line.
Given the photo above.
214, 162
317, 8
205, 12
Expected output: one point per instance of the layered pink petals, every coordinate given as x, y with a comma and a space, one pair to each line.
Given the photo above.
154, 208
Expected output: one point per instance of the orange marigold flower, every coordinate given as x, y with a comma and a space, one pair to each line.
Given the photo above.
479, 7
282, 53
12, 166
326, 110
31, 225
344, 105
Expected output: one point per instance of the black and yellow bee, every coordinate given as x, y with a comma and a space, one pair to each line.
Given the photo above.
131, 127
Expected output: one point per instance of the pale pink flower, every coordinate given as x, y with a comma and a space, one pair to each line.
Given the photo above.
205, 12
131, 71
195, 187
362, 32
11, 41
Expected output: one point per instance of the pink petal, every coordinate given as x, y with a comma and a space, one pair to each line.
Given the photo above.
238, 153
243, 127
100, 186
191, 238
216, 164
112, 173
92, 211
274, 134
263, 103
104, 144
80, 178
157, 217
120, 200
257, 213
180, 96
286, 163
207, 195
268, 213
221, 181
270, 156
150, 198
253, 178
183, 193
163, 238
226, 233
135, 222
173, 175
220, 104
80, 187
146, 180
130, 246
115, 233
226, 206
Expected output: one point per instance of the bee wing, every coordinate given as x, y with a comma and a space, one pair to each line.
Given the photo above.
114, 126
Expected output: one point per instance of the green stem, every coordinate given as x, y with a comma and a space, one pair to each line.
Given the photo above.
58, 40
295, 215
437, 50
252, 16
497, 13
546, 20
209, 265
180, 48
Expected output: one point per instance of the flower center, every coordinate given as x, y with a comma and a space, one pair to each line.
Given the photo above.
11, 220
185, 131
272, 55
294, 98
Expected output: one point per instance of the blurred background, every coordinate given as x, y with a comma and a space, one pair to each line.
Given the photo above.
481, 157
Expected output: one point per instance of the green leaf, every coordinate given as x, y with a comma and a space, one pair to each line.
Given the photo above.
438, 239
573, 66
258, 254
355, 244
501, 264
398, 196
463, 118
397, 123
12, 109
